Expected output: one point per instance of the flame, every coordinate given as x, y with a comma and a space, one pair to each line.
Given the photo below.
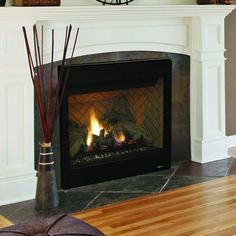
95, 128
89, 140
120, 137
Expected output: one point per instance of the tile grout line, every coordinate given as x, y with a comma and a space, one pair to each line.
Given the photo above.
16, 211
229, 167
168, 180
125, 191
93, 200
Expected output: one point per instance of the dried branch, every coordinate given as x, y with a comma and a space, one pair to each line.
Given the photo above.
48, 104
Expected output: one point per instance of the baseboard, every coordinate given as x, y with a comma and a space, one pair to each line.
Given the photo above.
208, 151
231, 140
17, 189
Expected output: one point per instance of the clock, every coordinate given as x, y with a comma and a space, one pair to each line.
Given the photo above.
114, 2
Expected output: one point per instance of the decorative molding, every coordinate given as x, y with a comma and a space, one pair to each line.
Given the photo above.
100, 13
231, 141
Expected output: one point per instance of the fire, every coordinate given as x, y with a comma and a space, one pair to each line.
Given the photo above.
120, 137
100, 135
95, 125
89, 139
94, 129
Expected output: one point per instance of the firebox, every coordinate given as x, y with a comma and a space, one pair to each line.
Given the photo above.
115, 120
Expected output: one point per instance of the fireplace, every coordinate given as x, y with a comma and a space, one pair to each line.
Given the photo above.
115, 120
193, 30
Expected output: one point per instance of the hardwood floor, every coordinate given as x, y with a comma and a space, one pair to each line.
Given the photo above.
207, 209
4, 222
202, 209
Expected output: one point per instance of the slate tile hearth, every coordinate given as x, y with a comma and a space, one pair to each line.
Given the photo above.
210, 169
182, 174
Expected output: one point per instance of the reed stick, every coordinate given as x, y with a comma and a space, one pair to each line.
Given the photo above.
48, 102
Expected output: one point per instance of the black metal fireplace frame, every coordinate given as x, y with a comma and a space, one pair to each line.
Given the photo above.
87, 78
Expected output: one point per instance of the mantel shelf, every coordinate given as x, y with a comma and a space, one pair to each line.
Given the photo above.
112, 12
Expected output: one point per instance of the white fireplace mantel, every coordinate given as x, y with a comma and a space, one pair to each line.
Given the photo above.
194, 30
86, 13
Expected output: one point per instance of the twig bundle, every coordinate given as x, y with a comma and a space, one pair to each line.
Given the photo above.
48, 102
227, 2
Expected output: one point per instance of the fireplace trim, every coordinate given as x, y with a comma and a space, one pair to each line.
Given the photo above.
100, 13
160, 159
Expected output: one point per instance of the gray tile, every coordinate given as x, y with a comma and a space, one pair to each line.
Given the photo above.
69, 202
93, 187
8, 210
141, 183
163, 172
75, 201
109, 198
181, 181
210, 169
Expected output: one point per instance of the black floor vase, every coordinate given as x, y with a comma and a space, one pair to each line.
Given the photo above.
46, 192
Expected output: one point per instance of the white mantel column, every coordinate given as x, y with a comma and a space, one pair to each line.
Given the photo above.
207, 90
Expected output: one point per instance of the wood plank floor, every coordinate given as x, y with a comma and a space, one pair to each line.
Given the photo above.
207, 209
4, 222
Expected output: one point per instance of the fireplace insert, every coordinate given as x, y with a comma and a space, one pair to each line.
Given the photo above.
115, 120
